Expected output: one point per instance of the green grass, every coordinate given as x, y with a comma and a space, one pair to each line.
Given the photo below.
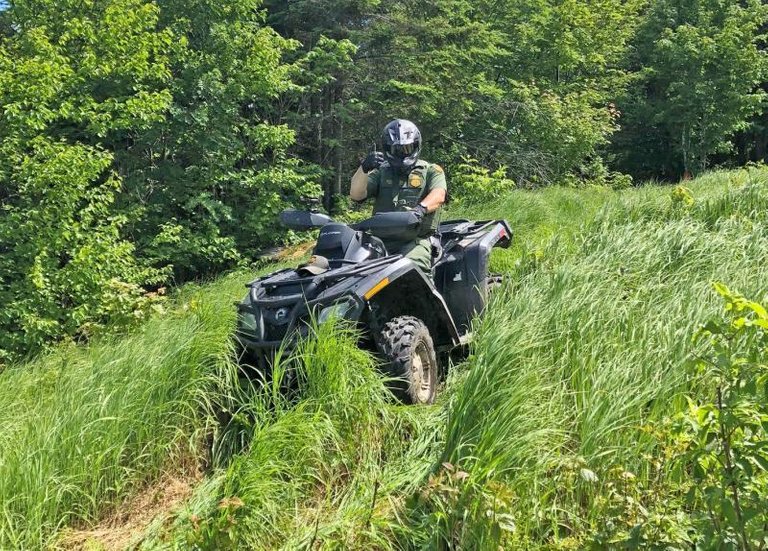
576, 358
537, 441
317, 470
82, 428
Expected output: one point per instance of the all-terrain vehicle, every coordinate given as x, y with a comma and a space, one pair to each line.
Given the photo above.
412, 319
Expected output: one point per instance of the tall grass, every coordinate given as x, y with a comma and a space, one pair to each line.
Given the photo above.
537, 218
82, 428
325, 467
581, 350
532, 436
576, 358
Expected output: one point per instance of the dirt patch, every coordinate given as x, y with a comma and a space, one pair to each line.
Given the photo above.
126, 525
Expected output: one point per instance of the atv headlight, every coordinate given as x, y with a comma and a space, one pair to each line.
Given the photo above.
336, 310
249, 322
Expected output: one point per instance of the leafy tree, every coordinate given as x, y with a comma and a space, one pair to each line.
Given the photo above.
560, 75
205, 183
134, 133
524, 85
702, 64
319, 108
432, 62
72, 75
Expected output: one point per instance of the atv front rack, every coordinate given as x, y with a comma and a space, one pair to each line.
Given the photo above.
356, 270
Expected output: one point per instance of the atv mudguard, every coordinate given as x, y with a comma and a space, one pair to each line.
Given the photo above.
462, 274
403, 289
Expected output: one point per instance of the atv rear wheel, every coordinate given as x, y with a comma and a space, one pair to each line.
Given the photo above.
410, 358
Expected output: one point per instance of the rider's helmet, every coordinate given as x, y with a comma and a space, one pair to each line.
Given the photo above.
401, 143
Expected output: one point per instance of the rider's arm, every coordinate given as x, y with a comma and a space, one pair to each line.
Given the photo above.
434, 199
358, 191
364, 186
437, 189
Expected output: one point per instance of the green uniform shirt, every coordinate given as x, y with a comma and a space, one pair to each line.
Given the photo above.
394, 191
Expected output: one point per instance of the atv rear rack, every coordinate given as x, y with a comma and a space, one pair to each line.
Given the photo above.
465, 228
358, 270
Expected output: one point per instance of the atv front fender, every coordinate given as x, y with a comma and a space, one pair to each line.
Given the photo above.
403, 289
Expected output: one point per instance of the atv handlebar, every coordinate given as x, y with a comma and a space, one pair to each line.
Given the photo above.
391, 225
386, 225
300, 220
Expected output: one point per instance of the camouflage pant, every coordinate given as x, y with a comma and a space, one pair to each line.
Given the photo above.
419, 251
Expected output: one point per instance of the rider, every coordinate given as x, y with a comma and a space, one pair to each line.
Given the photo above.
400, 181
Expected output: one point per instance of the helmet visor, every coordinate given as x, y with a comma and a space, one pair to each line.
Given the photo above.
401, 151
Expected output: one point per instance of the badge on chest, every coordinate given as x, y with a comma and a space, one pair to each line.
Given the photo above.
415, 180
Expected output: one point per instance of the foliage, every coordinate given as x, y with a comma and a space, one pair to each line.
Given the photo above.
310, 445
682, 197
725, 439
81, 429
702, 63
134, 143
546, 439
711, 480
560, 73
212, 175
192, 124
472, 183
572, 365
465, 72
67, 85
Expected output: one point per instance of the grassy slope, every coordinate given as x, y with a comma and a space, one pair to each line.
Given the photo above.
586, 345
583, 351
83, 427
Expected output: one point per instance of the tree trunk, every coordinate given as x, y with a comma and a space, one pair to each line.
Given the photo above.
337, 191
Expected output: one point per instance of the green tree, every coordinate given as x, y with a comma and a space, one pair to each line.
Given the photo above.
432, 62
319, 109
524, 85
561, 74
135, 134
204, 184
72, 76
702, 64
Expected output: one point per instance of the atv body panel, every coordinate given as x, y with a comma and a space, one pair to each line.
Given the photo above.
367, 286
462, 274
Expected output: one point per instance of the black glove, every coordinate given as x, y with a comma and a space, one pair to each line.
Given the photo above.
373, 161
420, 211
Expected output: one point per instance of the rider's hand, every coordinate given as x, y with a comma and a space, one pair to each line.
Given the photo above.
420, 211
373, 161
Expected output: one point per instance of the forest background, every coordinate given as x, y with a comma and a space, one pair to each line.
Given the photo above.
151, 143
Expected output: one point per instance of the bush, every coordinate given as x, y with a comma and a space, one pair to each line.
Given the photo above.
722, 438
72, 78
472, 183
65, 270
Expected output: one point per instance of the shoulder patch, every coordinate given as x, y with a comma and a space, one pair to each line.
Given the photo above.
438, 169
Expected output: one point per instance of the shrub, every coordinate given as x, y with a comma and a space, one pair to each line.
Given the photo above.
65, 269
472, 183
724, 438
72, 79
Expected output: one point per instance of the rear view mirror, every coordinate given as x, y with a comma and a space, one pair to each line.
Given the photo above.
300, 220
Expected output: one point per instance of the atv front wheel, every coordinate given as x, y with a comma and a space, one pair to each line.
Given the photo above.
410, 358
